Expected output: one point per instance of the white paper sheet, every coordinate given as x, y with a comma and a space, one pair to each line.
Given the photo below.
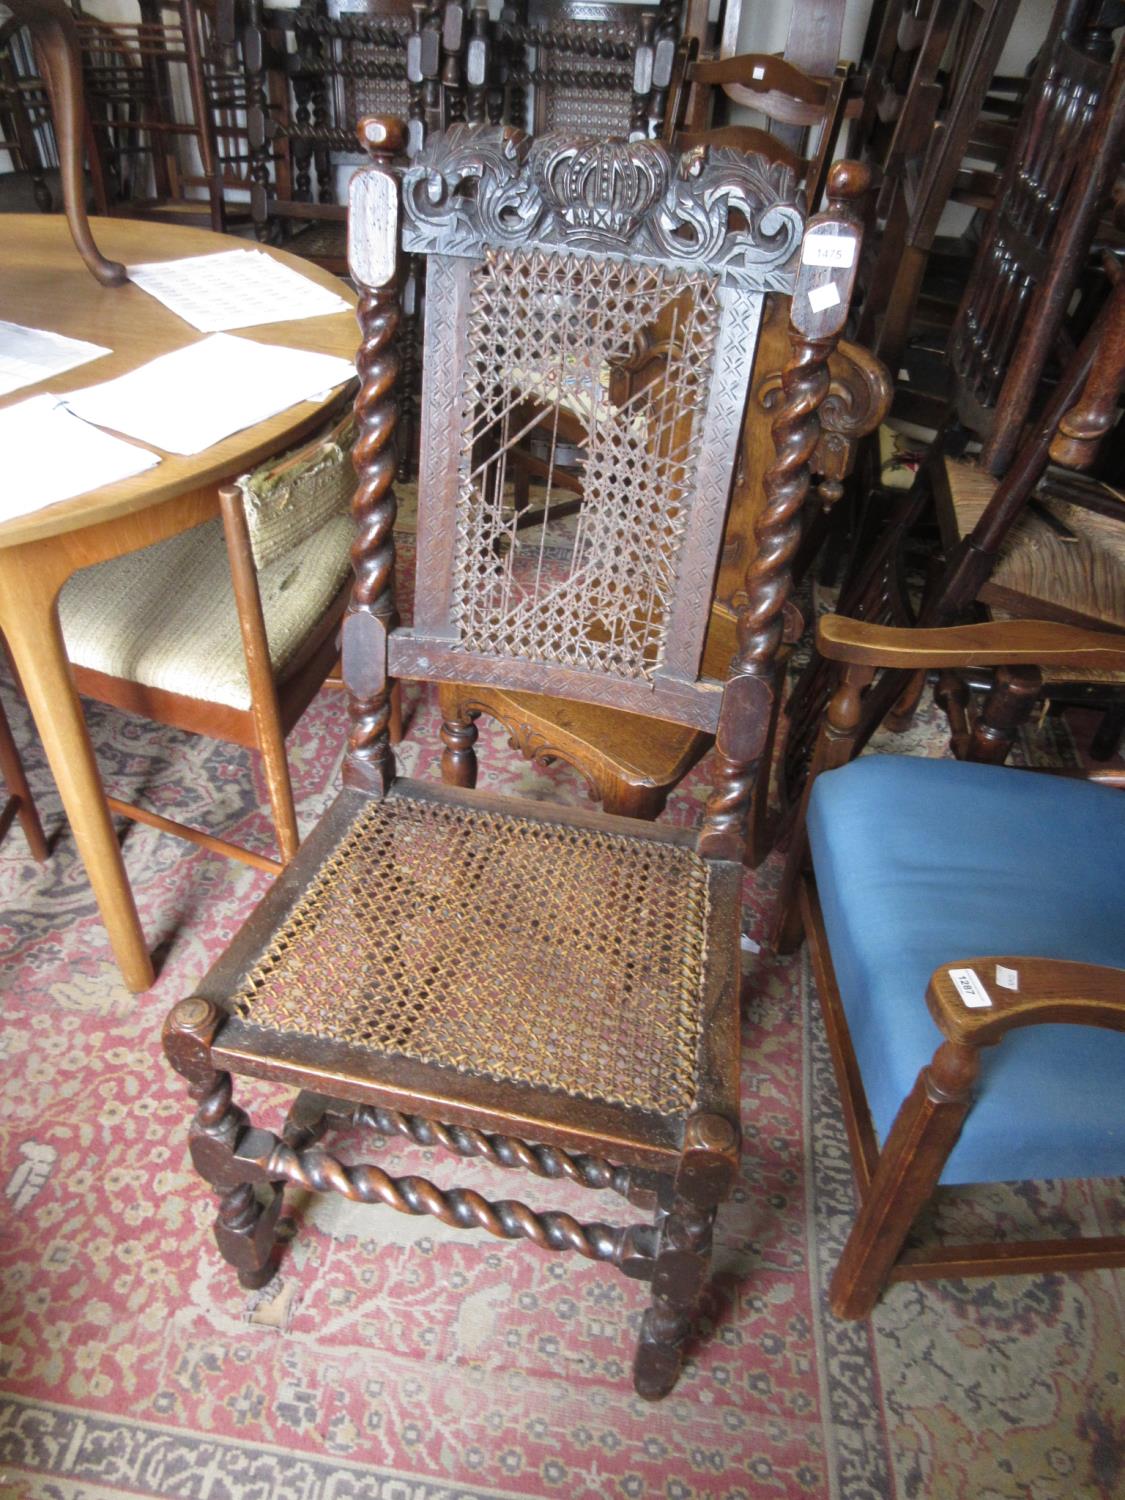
194, 397
50, 455
29, 355
234, 289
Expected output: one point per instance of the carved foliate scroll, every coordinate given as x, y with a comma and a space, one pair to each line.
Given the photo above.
480, 188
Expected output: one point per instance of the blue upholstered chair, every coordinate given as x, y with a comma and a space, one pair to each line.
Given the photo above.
967, 927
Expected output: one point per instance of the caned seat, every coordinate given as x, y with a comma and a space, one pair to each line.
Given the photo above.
498, 942
547, 988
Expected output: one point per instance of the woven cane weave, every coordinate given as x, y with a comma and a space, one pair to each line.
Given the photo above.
528, 952
543, 333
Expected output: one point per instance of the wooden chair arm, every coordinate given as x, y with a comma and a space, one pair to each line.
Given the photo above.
973, 1009
1107, 777
991, 643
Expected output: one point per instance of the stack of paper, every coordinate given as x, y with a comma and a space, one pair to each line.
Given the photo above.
29, 355
50, 455
234, 289
194, 397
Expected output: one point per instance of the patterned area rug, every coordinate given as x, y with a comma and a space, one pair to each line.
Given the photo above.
395, 1358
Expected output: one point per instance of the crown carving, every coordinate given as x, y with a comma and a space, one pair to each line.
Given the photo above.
602, 190
738, 216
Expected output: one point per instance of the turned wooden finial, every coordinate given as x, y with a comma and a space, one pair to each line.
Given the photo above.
382, 136
848, 182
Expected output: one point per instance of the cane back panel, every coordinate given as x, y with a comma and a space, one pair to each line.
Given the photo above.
553, 267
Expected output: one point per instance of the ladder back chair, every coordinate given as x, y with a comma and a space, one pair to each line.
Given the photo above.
554, 990
1005, 551
156, 89
794, 103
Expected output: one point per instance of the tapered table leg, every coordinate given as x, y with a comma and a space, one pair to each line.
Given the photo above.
29, 620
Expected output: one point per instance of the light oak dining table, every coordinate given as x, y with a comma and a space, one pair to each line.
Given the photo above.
44, 284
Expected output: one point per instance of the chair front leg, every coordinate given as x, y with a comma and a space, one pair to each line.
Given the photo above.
924, 1132
246, 1226
683, 1258
704, 1178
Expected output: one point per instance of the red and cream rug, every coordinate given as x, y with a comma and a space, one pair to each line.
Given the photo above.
395, 1359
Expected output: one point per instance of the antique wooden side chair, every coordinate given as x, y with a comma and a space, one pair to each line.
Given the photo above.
590, 69
785, 95
630, 763
227, 626
546, 988
1004, 549
926, 153
965, 928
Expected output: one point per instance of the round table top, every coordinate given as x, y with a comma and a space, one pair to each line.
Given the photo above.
44, 284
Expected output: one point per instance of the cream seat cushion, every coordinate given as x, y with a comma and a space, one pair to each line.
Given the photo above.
165, 616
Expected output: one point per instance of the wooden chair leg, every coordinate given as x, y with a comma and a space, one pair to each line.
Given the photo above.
20, 803
1007, 706
910, 1164
1107, 736
459, 759
707, 1171
951, 694
683, 1257
246, 1227
900, 718
396, 729
259, 671
627, 800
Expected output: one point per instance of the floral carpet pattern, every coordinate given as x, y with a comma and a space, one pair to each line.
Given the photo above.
395, 1359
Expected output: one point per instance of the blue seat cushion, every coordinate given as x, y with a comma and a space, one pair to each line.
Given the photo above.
922, 862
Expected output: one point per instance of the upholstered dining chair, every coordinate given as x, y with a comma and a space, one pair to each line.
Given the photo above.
965, 926
229, 628
547, 988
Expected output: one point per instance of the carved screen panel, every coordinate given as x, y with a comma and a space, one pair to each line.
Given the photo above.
557, 347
